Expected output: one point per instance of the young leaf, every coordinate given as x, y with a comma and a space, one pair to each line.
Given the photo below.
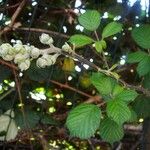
111, 29
141, 35
136, 57
110, 131
143, 67
98, 46
90, 20
80, 40
141, 106
126, 95
102, 83
118, 111
84, 120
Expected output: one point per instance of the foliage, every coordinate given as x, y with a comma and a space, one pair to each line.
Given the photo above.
80, 85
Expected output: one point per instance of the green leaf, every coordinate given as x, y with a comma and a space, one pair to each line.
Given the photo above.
136, 57
133, 117
141, 35
126, 95
146, 81
47, 119
118, 111
143, 67
111, 29
38, 74
84, 120
90, 20
98, 46
103, 83
110, 131
80, 40
31, 118
142, 107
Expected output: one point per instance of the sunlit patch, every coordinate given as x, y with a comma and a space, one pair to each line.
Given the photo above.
69, 103
1, 16
82, 11
20, 74
70, 78
38, 109
122, 60
32, 138
141, 120
29, 14
105, 53
105, 15
136, 17
52, 109
132, 70
78, 3
34, 3
77, 68
137, 25
20, 105
18, 128
1, 87
76, 11
86, 66
8, 22
117, 18
114, 38
91, 60
58, 96
79, 27
12, 84
65, 29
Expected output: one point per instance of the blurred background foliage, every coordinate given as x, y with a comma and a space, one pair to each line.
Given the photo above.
46, 95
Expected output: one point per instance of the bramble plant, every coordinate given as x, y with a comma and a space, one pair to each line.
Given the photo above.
87, 119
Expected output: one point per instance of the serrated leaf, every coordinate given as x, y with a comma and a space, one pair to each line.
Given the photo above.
111, 29
136, 57
83, 120
146, 81
102, 83
90, 20
98, 46
118, 111
126, 95
141, 35
80, 40
142, 107
110, 131
143, 67
31, 118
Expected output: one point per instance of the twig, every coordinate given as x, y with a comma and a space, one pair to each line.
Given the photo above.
13, 18
52, 33
66, 86
7, 93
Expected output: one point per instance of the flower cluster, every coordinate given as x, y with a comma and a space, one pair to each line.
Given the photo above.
22, 55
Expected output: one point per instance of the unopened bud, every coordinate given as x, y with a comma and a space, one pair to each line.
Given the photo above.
24, 65
46, 39
35, 52
4, 49
41, 62
66, 48
19, 48
8, 57
20, 58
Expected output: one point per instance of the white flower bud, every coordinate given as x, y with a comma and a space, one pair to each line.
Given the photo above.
27, 48
4, 49
41, 62
20, 58
24, 65
35, 52
66, 48
46, 39
8, 57
19, 48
